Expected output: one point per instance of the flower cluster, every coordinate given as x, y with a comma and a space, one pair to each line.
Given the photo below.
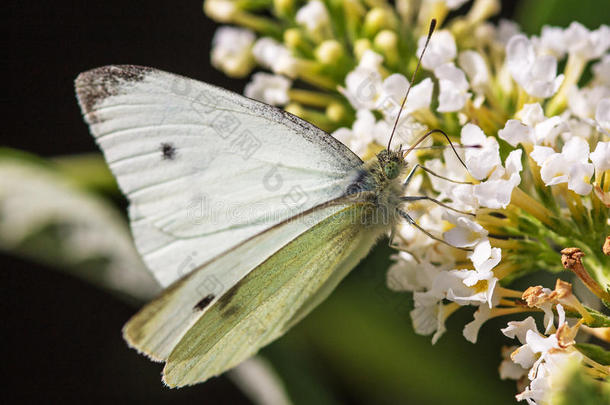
532, 115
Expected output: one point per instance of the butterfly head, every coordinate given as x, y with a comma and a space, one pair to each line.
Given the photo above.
392, 163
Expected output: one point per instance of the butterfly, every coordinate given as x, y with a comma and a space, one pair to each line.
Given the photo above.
246, 214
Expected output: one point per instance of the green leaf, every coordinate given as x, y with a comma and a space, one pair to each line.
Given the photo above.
599, 320
532, 15
594, 352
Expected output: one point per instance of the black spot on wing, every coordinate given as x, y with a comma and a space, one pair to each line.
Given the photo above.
204, 302
168, 151
95, 85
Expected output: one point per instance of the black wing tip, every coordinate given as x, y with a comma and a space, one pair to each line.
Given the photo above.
96, 84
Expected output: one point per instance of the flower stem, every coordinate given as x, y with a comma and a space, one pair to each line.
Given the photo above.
571, 258
522, 200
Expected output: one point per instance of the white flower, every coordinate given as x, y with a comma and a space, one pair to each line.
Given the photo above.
536, 74
570, 166
313, 15
365, 89
577, 127
545, 381
547, 131
363, 85
584, 102
496, 193
275, 56
476, 69
460, 194
586, 44
509, 369
468, 287
601, 72
453, 88
552, 41
428, 315
232, 50
505, 31
602, 114
515, 132
601, 157
268, 88
497, 190
471, 329
518, 329
542, 355
524, 355
420, 245
531, 114
406, 274
466, 232
407, 130
393, 91
576, 40
363, 132
441, 49
480, 161
484, 257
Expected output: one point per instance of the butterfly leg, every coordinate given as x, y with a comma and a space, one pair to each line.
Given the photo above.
415, 224
391, 240
423, 197
398, 246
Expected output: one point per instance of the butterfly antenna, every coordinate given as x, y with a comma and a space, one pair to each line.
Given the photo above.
437, 131
404, 100
458, 146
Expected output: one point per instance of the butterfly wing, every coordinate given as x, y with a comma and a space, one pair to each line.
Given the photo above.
267, 301
160, 325
205, 169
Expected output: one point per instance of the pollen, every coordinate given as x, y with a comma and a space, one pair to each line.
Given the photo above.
481, 286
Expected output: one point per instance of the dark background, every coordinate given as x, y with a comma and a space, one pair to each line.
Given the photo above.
62, 336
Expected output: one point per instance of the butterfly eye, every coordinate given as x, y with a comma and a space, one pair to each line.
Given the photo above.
391, 170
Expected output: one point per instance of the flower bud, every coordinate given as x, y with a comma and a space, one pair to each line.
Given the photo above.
293, 38
387, 42
377, 19
295, 109
220, 10
336, 112
329, 52
283, 7
360, 46
482, 10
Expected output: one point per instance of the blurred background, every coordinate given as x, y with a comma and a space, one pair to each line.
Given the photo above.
63, 334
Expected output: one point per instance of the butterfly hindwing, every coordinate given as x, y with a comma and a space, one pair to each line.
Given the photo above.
266, 302
160, 325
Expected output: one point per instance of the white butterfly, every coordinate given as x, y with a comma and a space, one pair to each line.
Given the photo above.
248, 215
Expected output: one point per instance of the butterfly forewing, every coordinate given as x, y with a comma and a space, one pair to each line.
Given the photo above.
204, 169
